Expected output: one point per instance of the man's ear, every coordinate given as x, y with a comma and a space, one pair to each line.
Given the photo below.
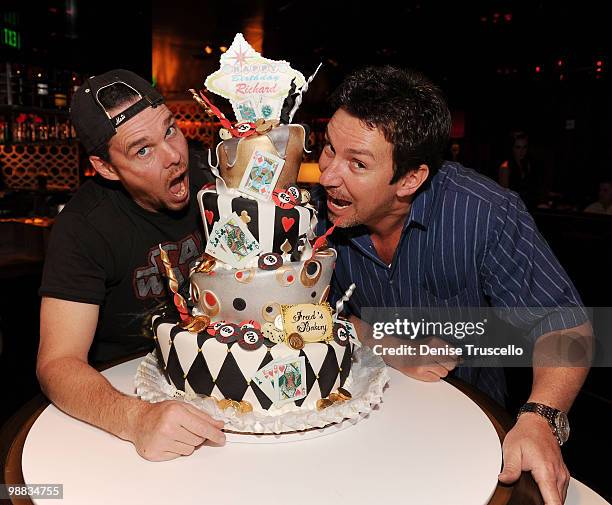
104, 168
412, 180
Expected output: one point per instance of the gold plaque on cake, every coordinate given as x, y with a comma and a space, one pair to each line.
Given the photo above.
313, 321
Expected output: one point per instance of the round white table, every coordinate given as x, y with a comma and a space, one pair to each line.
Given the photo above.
579, 494
427, 443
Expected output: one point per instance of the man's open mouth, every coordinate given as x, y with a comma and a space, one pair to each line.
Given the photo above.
178, 186
338, 203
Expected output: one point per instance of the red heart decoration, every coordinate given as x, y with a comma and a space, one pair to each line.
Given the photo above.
287, 223
209, 216
282, 368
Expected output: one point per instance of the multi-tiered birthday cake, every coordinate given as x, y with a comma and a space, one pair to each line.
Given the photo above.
256, 332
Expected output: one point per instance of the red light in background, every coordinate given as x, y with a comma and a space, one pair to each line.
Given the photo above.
559, 63
599, 63
538, 69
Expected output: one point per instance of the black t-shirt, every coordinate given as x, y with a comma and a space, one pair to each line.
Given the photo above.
104, 250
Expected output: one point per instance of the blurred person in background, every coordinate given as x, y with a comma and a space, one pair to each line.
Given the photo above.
603, 205
517, 171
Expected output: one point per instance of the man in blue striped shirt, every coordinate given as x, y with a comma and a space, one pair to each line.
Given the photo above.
414, 231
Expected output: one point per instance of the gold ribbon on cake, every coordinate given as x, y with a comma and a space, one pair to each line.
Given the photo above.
179, 301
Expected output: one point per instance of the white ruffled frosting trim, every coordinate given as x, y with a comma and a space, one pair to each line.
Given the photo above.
366, 383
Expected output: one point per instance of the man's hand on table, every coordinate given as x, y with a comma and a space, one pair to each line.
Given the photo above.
428, 368
425, 368
531, 446
169, 429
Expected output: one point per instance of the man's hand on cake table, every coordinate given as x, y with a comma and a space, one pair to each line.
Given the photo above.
531, 446
428, 368
169, 429
159, 431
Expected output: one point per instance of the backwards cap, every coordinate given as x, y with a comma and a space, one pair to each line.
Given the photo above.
94, 125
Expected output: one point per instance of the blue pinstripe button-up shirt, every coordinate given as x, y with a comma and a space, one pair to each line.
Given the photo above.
466, 242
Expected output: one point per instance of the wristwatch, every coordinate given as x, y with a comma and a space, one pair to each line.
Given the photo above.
555, 417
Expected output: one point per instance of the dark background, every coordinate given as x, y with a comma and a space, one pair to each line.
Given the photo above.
484, 56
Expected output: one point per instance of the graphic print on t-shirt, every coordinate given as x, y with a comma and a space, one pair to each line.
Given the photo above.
149, 281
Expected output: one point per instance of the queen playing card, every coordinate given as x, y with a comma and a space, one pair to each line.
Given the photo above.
290, 379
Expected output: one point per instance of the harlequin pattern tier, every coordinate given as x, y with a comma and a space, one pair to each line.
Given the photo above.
198, 363
238, 295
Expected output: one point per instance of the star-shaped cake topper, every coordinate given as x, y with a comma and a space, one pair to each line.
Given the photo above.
255, 86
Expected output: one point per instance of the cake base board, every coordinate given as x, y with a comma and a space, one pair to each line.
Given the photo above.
236, 437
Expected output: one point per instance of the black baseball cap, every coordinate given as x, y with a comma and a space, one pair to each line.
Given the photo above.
94, 125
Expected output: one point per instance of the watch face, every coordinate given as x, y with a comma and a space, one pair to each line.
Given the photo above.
563, 428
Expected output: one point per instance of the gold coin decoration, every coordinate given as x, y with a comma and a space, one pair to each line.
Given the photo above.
335, 397
344, 394
225, 403
207, 264
196, 324
262, 126
200, 324
295, 341
323, 403
245, 407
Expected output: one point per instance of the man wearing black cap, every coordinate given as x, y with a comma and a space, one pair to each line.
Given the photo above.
103, 276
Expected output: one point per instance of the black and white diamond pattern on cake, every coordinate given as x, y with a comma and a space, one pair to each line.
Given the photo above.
311, 379
230, 381
329, 373
199, 378
345, 365
197, 363
174, 371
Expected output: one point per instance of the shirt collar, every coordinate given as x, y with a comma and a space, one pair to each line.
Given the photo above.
423, 205
420, 213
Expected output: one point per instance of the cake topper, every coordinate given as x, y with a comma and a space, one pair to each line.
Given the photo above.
255, 86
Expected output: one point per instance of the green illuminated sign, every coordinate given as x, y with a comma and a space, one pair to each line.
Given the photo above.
11, 38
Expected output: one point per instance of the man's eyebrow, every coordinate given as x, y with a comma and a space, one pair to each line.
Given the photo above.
363, 152
142, 140
169, 118
135, 143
